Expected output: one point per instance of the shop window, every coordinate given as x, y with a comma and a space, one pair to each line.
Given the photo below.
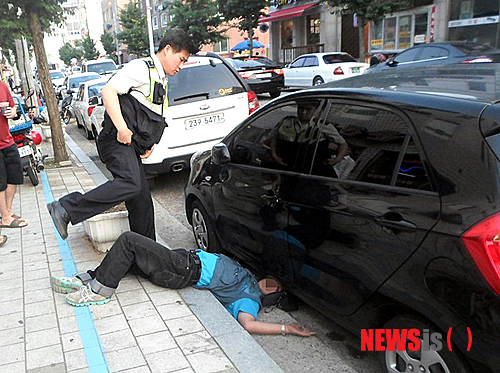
314, 29
390, 33
405, 26
421, 21
286, 34
466, 9
376, 36
221, 46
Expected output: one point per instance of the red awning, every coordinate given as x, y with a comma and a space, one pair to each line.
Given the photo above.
296, 11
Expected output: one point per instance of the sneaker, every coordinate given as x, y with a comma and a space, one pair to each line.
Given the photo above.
86, 297
65, 285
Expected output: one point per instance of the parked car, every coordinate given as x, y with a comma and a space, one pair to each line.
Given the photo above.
382, 212
102, 66
451, 52
262, 74
73, 81
57, 77
85, 102
318, 68
76, 70
206, 99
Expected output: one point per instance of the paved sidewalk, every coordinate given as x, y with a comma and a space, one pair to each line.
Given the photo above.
144, 328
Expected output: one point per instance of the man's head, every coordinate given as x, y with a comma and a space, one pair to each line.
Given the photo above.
269, 285
305, 110
174, 50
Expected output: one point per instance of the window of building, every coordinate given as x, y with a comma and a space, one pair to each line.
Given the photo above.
164, 19
466, 9
155, 22
376, 36
405, 27
221, 46
313, 31
421, 21
390, 33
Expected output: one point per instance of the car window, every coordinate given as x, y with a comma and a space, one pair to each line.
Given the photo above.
101, 68
336, 58
75, 82
367, 144
407, 56
433, 52
242, 64
56, 75
95, 89
311, 61
81, 92
298, 62
275, 138
202, 82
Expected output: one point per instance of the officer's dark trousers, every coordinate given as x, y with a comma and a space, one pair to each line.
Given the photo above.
174, 269
129, 185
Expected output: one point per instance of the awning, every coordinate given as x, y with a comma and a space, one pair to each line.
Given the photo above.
296, 11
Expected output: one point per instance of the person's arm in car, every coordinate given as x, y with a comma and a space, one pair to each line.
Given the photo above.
112, 105
260, 327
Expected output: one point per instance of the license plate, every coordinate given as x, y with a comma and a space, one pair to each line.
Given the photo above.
24, 151
355, 70
265, 75
205, 120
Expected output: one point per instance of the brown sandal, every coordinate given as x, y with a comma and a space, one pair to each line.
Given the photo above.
3, 239
16, 223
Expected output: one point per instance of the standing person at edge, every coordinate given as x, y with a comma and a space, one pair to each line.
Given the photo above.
135, 99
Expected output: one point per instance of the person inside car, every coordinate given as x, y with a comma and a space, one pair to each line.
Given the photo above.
135, 100
234, 286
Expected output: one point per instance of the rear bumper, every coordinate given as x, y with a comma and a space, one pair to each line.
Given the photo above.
266, 86
174, 164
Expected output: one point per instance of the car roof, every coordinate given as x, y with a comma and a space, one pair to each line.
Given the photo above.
96, 81
100, 60
82, 74
473, 82
322, 54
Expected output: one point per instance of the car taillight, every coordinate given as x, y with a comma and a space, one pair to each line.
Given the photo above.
338, 71
253, 102
90, 109
278, 71
482, 59
483, 243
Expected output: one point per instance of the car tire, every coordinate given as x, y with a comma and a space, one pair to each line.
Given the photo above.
445, 361
94, 132
78, 125
204, 229
318, 80
89, 134
274, 94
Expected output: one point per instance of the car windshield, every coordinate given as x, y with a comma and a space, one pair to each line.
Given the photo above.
201, 82
101, 68
337, 57
245, 64
56, 75
95, 89
75, 82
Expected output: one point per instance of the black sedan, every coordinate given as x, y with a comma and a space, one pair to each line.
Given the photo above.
262, 74
379, 207
451, 52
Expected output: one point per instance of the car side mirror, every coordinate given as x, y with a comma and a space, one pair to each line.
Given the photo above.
94, 100
392, 63
220, 154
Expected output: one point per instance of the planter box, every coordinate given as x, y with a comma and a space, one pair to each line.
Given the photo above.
45, 131
104, 229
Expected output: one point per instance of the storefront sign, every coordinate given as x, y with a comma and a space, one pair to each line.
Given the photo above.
278, 3
376, 42
418, 39
473, 21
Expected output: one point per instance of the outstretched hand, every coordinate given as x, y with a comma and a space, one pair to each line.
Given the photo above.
298, 329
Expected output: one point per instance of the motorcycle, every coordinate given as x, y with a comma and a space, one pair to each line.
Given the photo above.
27, 140
66, 113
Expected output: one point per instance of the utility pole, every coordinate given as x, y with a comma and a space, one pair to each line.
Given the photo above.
115, 11
150, 28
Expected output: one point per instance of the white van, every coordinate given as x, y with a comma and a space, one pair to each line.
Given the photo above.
102, 66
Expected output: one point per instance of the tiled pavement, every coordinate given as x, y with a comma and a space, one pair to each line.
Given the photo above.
144, 328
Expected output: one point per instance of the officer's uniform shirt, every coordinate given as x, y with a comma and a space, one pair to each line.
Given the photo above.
134, 78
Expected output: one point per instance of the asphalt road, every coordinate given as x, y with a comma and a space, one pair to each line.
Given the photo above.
332, 349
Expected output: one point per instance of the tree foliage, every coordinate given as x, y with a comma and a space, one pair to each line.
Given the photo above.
244, 14
89, 51
134, 30
200, 19
68, 52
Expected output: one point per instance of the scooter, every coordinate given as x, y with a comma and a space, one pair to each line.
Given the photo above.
66, 113
27, 140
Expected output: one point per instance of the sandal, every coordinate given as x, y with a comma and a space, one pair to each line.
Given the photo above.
3, 239
16, 223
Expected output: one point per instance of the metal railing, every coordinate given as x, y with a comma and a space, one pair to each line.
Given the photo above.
288, 54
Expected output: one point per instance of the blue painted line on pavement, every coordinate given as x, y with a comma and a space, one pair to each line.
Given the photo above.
90, 339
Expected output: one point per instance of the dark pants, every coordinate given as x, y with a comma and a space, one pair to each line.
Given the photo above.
174, 269
129, 185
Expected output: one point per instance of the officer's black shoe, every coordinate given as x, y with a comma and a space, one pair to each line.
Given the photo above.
60, 218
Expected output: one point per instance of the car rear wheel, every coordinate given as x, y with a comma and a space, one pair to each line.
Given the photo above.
94, 132
89, 134
203, 229
78, 125
442, 361
318, 80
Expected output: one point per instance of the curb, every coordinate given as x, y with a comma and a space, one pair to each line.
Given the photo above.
238, 345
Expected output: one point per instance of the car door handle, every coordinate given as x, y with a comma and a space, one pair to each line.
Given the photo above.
395, 221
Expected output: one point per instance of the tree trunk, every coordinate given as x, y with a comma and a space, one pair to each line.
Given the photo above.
361, 29
250, 43
58, 143
21, 66
32, 101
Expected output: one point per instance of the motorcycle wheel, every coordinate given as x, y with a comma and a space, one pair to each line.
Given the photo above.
65, 116
33, 174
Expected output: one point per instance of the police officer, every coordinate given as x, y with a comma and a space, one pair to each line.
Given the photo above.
135, 99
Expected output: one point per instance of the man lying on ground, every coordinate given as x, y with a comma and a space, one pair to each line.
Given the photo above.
234, 286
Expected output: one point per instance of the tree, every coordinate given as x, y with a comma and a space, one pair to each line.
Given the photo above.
134, 26
67, 52
32, 19
89, 51
200, 19
244, 14
367, 11
109, 45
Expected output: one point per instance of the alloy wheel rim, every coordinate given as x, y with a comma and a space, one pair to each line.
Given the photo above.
415, 362
200, 229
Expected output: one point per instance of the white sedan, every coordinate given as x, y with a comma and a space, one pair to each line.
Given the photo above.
318, 68
86, 100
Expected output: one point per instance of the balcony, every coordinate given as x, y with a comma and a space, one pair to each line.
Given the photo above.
288, 54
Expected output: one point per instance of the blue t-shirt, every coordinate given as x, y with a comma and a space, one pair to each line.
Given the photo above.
208, 263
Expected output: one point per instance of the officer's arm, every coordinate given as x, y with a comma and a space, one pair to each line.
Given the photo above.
112, 105
259, 327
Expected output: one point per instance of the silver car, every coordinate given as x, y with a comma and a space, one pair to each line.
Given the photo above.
86, 100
